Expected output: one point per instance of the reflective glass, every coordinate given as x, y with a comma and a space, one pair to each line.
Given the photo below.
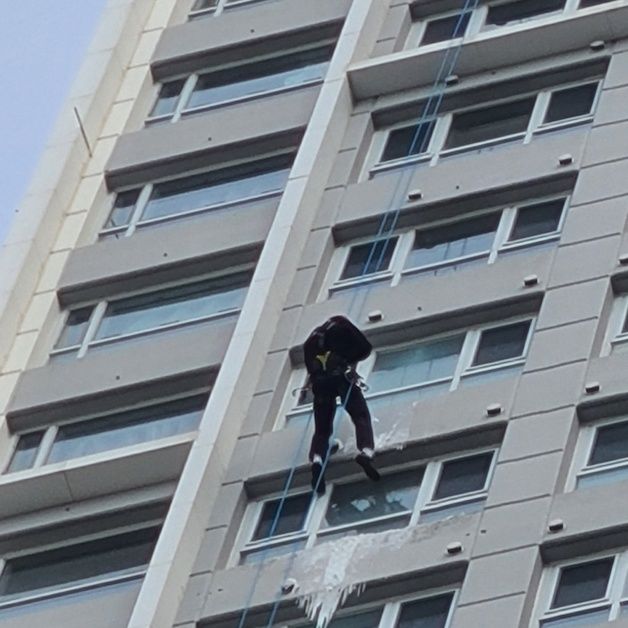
407, 141
427, 613
218, 187
369, 258
291, 519
365, 619
490, 123
200, 5
364, 500
167, 99
611, 443
463, 475
75, 327
122, 209
260, 76
502, 14
453, 241
25, 451
416, 364
174, 305
583, 583
592, 3
571, 102
445, 28
79, 562
502, 343
126, 428
583, 618
536, 220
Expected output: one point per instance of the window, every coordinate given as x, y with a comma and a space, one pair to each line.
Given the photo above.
521, 10
451, 486
430, 367
155, 311
80, 438
445, 28
250, 79
447, 246
585, 4
201, 8
432, 610
226, 187
585, 591
76, 566
617, 334
516, 119
601, 456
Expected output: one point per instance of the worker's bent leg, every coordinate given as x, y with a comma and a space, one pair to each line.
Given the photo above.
358, 411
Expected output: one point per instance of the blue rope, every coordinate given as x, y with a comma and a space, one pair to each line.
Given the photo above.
394, 210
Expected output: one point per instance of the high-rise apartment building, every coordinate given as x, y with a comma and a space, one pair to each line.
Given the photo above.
451, 175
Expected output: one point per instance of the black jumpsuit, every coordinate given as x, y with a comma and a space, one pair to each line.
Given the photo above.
329, 351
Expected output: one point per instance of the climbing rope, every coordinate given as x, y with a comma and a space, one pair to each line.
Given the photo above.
386, 228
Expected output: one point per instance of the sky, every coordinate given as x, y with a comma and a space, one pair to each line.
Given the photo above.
42, 44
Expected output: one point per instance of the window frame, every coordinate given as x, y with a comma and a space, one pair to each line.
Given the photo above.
221, 7
435, 151
136, 223
613, 600
51, 430
313, 529
615, 339
96, 582
90, 341
181, 108
397, 272
463, 371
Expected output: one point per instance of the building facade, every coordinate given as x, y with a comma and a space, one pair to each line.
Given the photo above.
226, 174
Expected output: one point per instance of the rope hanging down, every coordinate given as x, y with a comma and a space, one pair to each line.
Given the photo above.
386, 228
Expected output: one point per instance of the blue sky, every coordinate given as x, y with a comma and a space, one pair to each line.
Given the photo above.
42, 43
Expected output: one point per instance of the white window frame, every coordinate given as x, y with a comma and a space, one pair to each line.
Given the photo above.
615, 339
181, 109
391, 608
463, 371
99, 309
436, 149
22, 599
135, 219
613, 600
584, 447
221, 7
314, 531
50, 434
396, 271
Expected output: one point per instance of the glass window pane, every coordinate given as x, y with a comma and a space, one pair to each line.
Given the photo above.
25, 451
167, 98
291, 518
502, 14
583, 583
122, 209
218, 187
482, 125
369, 258
415, 364
450, 242
592, 3
583, 618
127, 428
611, 443
201, 5
571, 102
407, 141
463, 475
75, 327
79, 562
364, 500
535, 220
445, 28
365, 619
502, 343
260, 76
174, 305
428, 613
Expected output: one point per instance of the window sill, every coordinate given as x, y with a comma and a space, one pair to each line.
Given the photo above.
388, 166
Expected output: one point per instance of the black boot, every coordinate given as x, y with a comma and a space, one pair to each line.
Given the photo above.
366, 462
318, 478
